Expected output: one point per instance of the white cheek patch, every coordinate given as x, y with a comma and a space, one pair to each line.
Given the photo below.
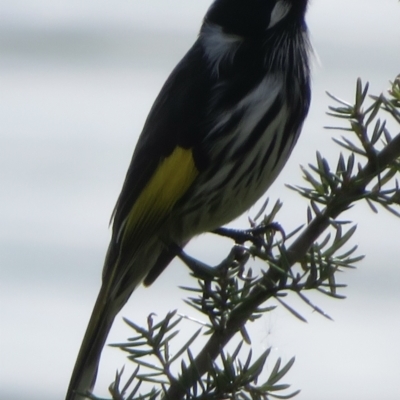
219, 46
279, 12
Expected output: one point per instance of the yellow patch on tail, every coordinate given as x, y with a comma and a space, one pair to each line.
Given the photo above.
169, 183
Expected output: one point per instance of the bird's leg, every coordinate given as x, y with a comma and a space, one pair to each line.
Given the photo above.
254, 235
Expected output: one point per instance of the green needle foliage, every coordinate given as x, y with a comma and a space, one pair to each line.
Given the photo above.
230, 295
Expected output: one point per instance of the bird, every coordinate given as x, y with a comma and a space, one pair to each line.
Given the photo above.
218, 134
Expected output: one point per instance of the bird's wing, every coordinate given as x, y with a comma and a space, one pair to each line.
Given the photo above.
163, 167
166, 160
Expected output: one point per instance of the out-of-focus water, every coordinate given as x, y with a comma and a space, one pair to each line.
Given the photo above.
76, 83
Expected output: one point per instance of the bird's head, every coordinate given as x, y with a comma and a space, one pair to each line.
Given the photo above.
252, 18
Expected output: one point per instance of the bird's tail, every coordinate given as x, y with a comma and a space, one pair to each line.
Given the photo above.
85, 371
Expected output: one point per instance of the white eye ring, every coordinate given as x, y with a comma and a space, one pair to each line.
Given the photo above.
279, 12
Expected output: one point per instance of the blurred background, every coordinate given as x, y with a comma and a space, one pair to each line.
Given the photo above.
77, 79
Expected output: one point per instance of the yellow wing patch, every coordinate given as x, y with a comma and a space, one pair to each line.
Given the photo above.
168, 184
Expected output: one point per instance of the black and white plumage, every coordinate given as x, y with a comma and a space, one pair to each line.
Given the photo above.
218, 134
